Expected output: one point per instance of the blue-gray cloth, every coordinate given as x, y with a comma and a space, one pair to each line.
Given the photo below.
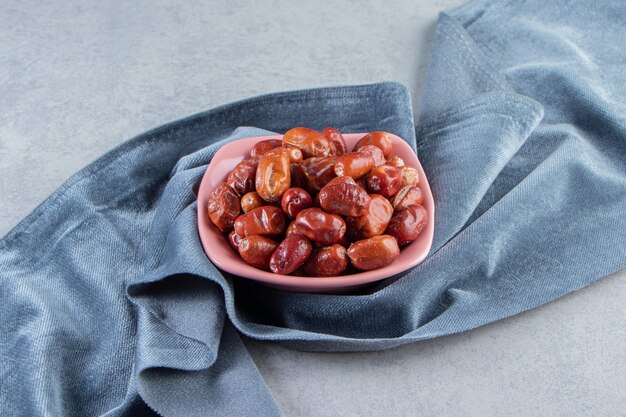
109, 305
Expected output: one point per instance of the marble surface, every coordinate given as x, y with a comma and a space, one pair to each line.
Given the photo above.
77, 79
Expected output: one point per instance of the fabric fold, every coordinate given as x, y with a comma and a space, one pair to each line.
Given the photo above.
466, 148
457, 71
66, 319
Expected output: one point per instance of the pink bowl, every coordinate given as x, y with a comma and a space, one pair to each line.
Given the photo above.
221, 254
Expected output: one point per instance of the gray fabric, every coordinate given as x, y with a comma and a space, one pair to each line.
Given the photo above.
109, 305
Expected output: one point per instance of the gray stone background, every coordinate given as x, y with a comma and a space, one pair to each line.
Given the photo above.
78, 78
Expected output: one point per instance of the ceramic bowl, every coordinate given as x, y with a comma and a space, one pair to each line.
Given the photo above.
222, 255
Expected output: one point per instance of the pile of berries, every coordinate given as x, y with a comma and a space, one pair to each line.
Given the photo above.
311, 208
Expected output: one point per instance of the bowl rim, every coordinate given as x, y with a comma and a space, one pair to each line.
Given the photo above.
292, 281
